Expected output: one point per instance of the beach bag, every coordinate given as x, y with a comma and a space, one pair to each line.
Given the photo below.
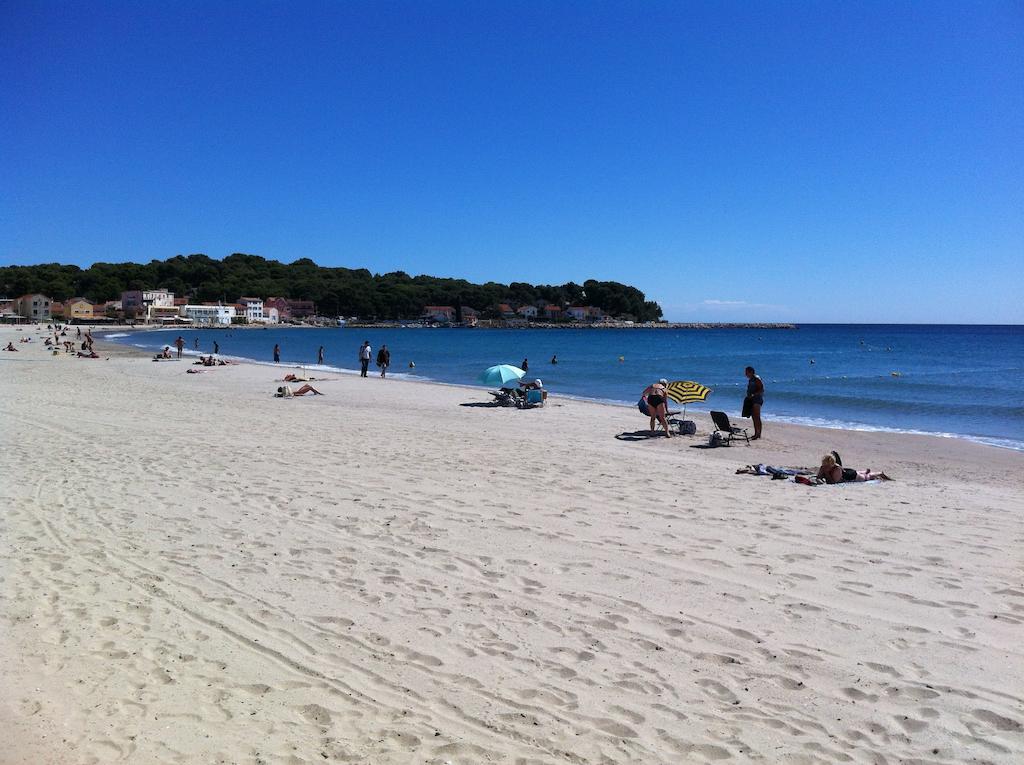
687, 427
642, 406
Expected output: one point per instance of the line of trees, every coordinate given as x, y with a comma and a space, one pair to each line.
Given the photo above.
336, 291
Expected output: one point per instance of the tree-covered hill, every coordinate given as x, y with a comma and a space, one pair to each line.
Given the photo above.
336, 291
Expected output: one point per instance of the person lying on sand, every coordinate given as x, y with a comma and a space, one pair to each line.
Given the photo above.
832, 471
89, 355
286, 392
296, 378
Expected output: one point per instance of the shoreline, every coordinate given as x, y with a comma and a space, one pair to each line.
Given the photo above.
795, 420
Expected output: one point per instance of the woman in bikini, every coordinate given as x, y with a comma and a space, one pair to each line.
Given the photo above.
832, 472
656, 396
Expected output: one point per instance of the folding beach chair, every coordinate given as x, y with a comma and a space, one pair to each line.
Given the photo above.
531, 399
727, 429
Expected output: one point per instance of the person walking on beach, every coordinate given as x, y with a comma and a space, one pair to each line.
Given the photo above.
216, 347
180, 345
195, 344
364, 358
383, 360
753, 401
525, 366
320, 355
277, 353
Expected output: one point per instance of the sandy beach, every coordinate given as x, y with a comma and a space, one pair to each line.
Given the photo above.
194, 571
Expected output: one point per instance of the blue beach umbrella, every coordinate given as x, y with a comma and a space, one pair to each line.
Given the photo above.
501, 375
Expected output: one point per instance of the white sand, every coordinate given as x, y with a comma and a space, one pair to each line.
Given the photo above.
194, 571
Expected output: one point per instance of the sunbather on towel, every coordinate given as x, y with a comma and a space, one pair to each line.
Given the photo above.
286, 392
831, 471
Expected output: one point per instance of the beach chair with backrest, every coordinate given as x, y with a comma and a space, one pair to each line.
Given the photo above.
727, 429
533, 398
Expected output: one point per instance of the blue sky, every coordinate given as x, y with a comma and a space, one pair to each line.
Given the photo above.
801, 161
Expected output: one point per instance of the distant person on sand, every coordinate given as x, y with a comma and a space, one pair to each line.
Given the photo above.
656, 396
10, 347
383, 360
285, 391
216, 347
525, 366
753, 401
364, 358
180, 345
320, 355
277, 353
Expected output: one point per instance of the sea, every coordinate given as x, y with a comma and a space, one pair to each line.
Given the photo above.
961, 381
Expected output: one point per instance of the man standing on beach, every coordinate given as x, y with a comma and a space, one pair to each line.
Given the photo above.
216, 347
320, 356
364, 358
180, 345
277, 353
753, 401
383, 360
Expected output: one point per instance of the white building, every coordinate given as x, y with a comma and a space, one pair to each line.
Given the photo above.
160, 298
271, 315
33, 307
253, 309
528, 312
216, 315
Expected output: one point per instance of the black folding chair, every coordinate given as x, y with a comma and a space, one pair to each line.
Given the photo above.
727, 429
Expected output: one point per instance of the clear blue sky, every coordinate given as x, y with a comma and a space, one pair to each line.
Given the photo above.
807, 161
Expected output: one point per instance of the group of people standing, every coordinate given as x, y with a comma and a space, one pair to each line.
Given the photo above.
366, 353
365, 356
654, 402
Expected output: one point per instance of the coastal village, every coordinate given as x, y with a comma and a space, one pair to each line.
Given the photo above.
161, 307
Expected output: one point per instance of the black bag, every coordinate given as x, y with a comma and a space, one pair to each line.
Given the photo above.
748, 407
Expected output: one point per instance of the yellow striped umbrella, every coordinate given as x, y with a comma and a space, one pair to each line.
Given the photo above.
686, 392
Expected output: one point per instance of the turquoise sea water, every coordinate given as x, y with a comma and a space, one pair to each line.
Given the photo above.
955, 380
